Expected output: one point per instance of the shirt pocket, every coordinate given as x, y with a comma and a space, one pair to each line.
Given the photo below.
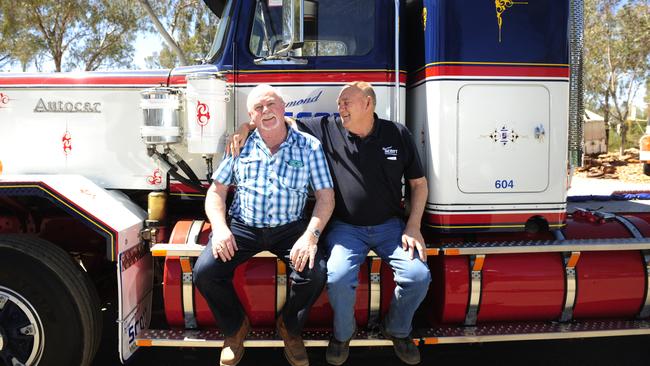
248, 169
294, 176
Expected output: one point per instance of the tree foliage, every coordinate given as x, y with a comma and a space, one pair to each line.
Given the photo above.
192, 26
73, 34
617, 57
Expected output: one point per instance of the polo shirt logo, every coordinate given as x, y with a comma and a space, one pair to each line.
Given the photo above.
390, 153
295, 163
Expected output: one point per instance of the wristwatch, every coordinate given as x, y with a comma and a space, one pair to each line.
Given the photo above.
315, 232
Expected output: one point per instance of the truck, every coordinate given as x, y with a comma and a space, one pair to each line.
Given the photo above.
103, 174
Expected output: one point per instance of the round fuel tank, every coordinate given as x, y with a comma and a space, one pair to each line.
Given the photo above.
532, 287
256, 284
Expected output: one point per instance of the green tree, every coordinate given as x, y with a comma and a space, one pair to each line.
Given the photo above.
617, 57
190, 26
77, 34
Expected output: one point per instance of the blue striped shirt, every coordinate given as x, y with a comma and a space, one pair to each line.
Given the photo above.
272, 189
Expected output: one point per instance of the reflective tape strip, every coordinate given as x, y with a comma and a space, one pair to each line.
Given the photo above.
375, 291
188, 293
645, 309
570, 262
280, 285
433, 251
476, 263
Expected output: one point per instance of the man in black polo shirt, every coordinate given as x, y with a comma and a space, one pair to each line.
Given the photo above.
368, 157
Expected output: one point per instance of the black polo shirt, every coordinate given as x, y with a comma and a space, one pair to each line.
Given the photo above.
367, 171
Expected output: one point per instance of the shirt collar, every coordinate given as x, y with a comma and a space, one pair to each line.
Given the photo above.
257, 139
374, 133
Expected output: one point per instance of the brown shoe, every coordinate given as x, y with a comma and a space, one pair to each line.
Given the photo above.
233, 346
294, 347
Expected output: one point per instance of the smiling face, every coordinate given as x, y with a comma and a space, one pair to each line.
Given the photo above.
355, 108
267, 111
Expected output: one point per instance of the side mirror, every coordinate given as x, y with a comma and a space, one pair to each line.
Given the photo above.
293, 34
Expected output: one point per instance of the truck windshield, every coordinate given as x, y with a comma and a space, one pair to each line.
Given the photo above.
220, 34
327, 32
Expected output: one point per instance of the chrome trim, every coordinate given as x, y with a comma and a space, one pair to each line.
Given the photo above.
188, 297
576, 106
397, 100
281, 285
375, 292
547, 246
35, 325
645, 309
629, 226
193, 233
571, 287
474, 289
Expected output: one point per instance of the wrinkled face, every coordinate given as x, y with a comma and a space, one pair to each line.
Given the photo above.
353, 106
268, 111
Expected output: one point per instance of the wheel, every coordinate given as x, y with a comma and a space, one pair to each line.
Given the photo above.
49, 309
646, 168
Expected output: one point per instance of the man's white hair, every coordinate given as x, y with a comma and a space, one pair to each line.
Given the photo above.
258, 91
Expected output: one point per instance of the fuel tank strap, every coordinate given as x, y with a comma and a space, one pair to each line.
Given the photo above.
629, 226
571, 285
476, 279
375, 291
187, 277
281, 285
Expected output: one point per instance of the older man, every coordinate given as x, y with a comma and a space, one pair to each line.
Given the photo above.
272, 174
368, 157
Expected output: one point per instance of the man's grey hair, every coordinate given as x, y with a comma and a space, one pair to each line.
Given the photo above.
258, 91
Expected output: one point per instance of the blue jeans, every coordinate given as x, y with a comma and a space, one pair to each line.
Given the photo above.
348, 246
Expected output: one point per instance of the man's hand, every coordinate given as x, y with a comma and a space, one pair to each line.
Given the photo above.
236, 141
412, 239
303, 252
223, 243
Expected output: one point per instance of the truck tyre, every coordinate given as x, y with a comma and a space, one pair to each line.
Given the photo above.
49, 309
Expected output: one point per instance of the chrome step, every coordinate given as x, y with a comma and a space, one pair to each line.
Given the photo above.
545, 246
534, 331
194, 250
443, 335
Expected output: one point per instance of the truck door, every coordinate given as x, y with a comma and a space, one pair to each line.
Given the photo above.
343, 41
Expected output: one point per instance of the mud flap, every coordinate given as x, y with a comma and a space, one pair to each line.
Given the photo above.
135, 282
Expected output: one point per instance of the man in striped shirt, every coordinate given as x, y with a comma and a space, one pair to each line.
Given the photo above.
272, 174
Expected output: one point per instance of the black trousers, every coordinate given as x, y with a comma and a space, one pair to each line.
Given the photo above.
213, 277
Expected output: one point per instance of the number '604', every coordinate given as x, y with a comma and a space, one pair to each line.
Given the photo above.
504, 184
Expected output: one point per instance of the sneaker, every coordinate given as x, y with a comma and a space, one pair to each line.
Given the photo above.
233, 346
337, 351
294, 347
405, 349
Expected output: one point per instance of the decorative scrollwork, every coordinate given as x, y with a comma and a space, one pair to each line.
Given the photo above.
501, 6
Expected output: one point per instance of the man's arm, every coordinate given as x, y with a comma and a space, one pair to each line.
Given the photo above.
223, 242
304, 250
412, 237
237, 140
